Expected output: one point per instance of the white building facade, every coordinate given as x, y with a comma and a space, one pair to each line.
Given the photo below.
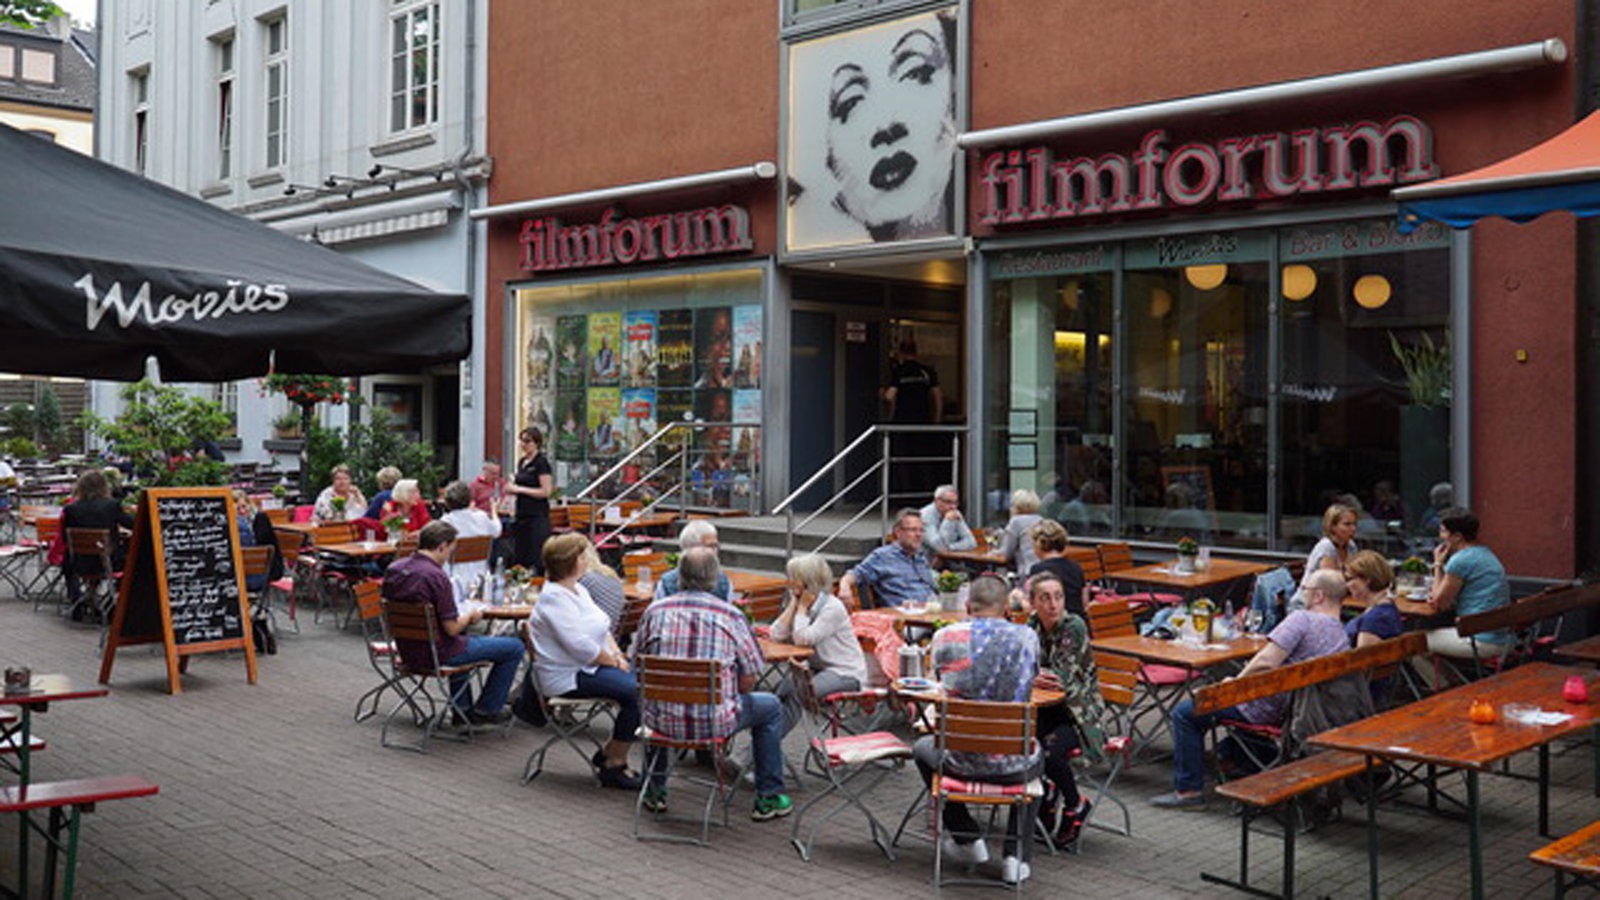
356, 124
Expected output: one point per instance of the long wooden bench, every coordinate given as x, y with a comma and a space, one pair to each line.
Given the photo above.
1576, 856
1523, 615
1265, 791
66, 801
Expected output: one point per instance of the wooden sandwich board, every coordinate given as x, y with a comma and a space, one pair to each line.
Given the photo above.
183, 583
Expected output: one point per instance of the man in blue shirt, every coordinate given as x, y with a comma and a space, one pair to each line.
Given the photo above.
697, 533
897, 573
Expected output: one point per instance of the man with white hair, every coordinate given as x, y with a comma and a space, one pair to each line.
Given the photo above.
697, 533
943, 523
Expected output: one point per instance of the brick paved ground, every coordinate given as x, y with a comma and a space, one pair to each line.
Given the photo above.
272, 791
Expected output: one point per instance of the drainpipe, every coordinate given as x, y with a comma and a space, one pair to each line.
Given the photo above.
468, 202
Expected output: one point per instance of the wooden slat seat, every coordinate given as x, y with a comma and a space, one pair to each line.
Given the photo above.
1576, 856
83, 793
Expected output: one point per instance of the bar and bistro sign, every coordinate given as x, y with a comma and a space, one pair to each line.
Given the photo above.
549, 244
1032, 185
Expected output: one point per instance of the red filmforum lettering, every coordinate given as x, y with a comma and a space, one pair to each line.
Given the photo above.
549, 245
1031, 186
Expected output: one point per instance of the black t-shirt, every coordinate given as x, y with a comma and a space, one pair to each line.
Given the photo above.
913, 383
1071, 576
527, 475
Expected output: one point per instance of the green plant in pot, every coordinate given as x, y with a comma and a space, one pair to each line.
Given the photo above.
1188, 553
1424, 417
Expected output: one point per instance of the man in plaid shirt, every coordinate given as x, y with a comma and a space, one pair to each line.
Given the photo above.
696, 624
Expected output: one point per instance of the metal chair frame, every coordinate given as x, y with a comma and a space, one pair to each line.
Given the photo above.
695, 682
987, 727
412, 621
570, 718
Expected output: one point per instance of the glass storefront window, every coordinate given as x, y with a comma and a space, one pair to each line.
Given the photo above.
604, 364
1134, 385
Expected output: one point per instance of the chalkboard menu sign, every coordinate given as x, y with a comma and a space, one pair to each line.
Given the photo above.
183, 585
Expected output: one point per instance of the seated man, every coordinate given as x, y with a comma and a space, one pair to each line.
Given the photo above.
985, 658
1303, 634
697, 533
945, 526
420, 578
898, 573
1467, 578
696, 624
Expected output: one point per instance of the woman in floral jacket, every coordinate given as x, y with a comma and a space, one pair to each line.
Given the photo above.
1072, 728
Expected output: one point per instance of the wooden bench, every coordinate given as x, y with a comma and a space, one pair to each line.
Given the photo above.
66, 801
1520, 617
1277, 786
1576, 856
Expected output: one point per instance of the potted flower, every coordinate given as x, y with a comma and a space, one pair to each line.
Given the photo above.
338, 503
395, 526
287, 426
1188, 554
949, 585
1411, 575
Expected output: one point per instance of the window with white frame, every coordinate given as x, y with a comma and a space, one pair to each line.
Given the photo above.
276, 34
413, 65
222, 51
39, 66
140, 89
226, 395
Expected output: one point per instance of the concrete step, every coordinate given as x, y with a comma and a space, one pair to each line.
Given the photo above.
772, 531
771, 560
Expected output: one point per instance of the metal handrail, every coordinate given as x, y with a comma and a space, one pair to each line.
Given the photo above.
880, 467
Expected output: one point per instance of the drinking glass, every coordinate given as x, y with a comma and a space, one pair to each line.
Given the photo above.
1202, 623
1254, 619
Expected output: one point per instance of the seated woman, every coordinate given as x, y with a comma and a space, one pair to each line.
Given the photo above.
1467, 578
468, 521
574, 654
816, 618
1050, 544
1368, 576
92, 506
603, 584
1066, 663
255, 530
1332, 551
340, 501
406, 502
1016, 545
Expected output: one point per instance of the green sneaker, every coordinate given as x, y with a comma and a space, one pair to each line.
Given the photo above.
655, 800
775, 807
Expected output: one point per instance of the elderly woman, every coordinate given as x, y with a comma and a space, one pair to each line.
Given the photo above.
1368, 576
1017, 546
574, 654
603, 584
387, 478
406, 503
816, 618
340, 501
1066, 663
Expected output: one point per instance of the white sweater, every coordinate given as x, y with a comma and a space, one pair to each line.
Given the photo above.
569, 631
826, 627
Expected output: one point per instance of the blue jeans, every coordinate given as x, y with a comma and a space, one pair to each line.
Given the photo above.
762, 713
1189, 744
611, 683
505, 653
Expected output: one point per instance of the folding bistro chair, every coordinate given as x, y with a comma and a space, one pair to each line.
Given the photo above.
1159, 687
99, 580
299, 581
258, 563
47, 580
335, 578
986, 727
470, 550
570, 718
684, 683
412, 621
1119, 678
842, 760
381, 654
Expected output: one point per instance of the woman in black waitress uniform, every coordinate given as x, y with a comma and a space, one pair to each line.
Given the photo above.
532, 485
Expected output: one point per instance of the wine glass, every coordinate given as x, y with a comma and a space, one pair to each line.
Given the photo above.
1253, 620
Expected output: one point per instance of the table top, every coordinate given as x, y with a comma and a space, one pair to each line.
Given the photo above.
923, 615
1587, 650
307, 528
48, 688
742, 582
1416, 609
1220, 571
1436, 729
776, 651
643, 523
1175, 653
514, 612
360, 549
983, 559
1039, 697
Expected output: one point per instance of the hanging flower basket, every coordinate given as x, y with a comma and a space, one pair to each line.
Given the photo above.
307, 390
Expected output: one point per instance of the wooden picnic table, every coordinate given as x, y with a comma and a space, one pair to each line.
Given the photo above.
1220, 572
1437, 731
1586, 650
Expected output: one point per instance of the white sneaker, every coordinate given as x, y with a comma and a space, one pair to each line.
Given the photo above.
973, 854
1014, 871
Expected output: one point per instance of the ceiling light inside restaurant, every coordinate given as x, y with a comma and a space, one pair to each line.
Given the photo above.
1299, 281
1372, 291
1206, 277
1160, 303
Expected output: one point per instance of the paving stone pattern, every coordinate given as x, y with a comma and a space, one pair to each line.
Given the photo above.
271, 791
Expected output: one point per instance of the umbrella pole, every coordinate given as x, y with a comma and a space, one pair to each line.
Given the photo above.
305, 446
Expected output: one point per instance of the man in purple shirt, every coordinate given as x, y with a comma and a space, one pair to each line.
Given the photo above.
420, 578
1305, 634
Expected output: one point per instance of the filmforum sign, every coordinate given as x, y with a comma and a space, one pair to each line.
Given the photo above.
548, 244
1031, 185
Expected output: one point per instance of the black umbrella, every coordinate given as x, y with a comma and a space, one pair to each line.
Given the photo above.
101, 268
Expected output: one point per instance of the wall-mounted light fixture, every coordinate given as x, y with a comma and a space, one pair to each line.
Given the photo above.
291, 189
1206, 277
1298, 281
380, 168
1372, 291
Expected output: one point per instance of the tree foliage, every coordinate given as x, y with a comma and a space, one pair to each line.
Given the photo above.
28, 13
156, 430
367, 447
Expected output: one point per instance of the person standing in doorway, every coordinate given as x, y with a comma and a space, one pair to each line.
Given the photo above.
913, 397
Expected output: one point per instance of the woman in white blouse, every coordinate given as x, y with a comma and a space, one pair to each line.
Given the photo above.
816, 618
574, 654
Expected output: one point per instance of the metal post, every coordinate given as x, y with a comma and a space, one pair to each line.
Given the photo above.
788, 531
1475, 833
683, 473
955, 460
883, 481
